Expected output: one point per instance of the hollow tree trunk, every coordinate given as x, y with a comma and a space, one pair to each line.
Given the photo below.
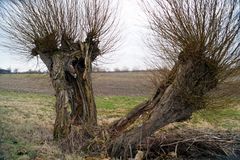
71, 79
193, 79
81, 94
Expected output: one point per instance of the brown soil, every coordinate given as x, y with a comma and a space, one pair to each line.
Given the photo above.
104, 84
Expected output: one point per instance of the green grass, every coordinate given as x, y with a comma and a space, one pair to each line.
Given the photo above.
224, 118
118, 102
222, 113
26, 120
103, 102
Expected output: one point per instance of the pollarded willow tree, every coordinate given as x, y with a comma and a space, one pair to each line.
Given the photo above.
68, 36
200, 41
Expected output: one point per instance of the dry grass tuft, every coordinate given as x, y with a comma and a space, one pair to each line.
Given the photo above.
84, 140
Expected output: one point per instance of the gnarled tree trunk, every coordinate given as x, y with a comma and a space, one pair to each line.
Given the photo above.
143, 108
194, 77
62, 121
71, 79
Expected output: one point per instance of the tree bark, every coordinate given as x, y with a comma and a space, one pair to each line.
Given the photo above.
193, 79
82, 95
62, 121
146, 107
72, 82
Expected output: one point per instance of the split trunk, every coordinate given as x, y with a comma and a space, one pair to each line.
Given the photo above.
71, 79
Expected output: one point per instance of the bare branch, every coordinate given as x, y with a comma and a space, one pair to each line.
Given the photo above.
56, 25
205, 28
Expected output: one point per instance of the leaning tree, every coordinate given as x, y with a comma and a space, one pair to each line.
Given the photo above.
68, 36
200, 41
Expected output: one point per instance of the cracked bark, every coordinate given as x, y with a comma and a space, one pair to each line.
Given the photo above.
72, 82
146, 107
194, 77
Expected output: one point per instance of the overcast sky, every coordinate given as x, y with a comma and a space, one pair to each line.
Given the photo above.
131, 54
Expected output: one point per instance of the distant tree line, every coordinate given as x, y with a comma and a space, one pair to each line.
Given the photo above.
94, 69
117, 69
4, 71
15, 71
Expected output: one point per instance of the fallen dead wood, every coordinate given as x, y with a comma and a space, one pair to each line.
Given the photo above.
192, 144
